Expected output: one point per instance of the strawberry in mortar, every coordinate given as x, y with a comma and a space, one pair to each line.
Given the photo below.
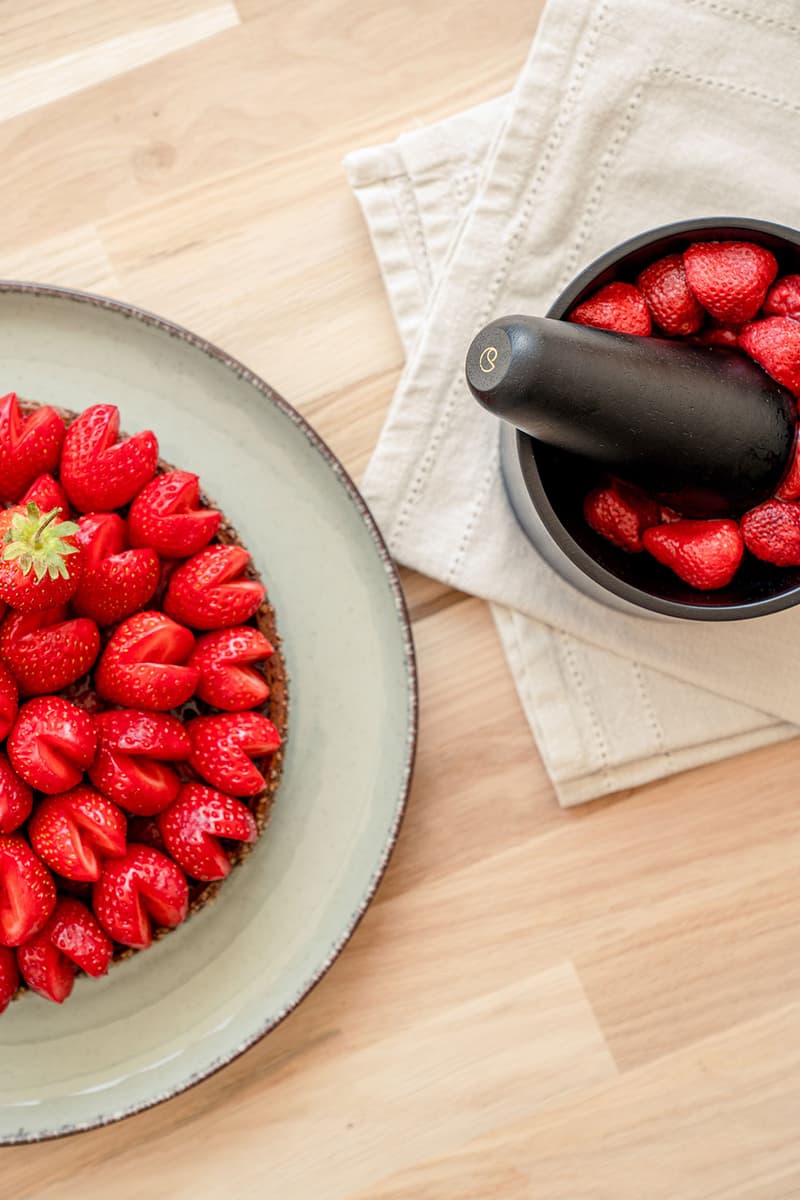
724, 294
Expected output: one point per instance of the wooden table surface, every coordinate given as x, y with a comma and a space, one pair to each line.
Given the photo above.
539, 1004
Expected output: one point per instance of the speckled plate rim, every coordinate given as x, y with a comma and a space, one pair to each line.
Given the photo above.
123, 309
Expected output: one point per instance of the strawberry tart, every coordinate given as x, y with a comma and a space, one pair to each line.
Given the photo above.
715, 294
143, 697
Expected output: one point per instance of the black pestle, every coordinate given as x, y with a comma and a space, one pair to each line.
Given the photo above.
703, 428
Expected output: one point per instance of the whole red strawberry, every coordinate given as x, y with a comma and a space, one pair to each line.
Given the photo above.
116, 580
71, 939
704, 554
783, 298
774, 343
47, 651
211, 590
9, 700
29, 446
620, 307
52, 743
9, 977
790, 485
40, 565
74, 831
16, 798
167, 515
772, 533
47, 493
144, 664
224, 745
192, 826
27, 892
621, 513
730, 279
224, 659
98, 473
132, 890
673, 306
132, 752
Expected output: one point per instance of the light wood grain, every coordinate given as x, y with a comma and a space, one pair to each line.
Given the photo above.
539, 1005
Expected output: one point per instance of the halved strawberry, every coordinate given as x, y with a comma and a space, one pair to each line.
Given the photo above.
132, 752
227, 678
27, 892
72, 938
9, 700
144, 664
40, 563
28, 446
224, 745
9, 977
132, 890
46, 650
51, 744
167, 516
47, 493
16, 798
211, 591
73, 832
192, 826
98, 473
116, 580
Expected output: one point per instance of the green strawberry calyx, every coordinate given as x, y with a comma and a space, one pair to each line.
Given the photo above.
36, 542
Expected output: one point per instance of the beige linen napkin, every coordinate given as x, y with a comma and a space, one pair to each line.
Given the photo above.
612, 128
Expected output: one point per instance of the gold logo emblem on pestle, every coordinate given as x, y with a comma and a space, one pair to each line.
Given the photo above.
488, 359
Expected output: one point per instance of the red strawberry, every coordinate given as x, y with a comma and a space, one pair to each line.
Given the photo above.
52, 743
46, 650
132, 751
27, 892
772, 533
16, 798
98, 473
40, 565
143, 665
774, 343
74, 831
730, 279
704, 554
47, 494
672, 305
28, 447
192, 826
790, 487
144, 884
620, 513
167, 516
619, 307
116, 581
783, 298
223, 745
719, 335
211, 591
9, 700
72, 938
223, 658
9, 977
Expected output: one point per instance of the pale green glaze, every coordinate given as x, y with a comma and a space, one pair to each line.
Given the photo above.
177, 1011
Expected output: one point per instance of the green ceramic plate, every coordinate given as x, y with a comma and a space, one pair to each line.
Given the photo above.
175, 1013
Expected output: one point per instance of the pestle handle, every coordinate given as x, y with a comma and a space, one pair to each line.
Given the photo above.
704, 429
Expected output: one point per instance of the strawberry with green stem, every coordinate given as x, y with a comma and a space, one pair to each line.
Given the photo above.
41, 563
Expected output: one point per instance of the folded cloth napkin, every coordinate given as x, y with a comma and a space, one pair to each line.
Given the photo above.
613, 127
